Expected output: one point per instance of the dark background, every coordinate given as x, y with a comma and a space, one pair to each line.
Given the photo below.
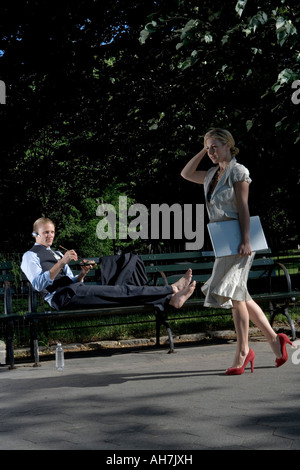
107, 98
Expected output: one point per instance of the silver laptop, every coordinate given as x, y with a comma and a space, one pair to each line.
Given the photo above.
226, 236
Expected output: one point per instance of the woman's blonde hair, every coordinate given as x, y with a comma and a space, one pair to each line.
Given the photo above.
223, 136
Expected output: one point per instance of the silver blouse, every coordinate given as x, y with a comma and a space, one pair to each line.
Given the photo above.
222, 204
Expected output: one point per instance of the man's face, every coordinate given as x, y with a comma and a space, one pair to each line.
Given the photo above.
47, 234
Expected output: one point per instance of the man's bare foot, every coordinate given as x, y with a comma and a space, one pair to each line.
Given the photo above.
184, 281
182, 295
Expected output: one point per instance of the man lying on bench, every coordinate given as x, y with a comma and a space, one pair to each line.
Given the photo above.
49, 273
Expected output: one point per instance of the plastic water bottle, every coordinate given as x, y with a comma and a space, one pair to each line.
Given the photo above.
59, 357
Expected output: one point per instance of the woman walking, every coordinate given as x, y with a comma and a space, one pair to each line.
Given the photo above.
226, 189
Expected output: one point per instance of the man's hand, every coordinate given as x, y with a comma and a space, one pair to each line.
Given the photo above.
69, 255
86, 266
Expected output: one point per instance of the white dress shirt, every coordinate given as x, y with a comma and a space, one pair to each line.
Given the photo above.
40, 280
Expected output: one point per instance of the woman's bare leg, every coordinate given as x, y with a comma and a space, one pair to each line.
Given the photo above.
260, 320
241, 322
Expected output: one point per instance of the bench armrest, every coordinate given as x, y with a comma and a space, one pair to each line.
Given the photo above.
7, 298
32, 297
287, 277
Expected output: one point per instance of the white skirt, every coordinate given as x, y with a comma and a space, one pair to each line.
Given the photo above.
228, 281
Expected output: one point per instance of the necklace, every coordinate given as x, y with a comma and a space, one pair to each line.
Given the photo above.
219, 174
216, 178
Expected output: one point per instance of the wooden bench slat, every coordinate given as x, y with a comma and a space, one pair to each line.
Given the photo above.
7, 277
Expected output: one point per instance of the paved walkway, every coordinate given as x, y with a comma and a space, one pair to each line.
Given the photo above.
146, 399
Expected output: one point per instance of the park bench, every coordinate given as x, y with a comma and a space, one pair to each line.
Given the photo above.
161, 269
32, 318
167, 267
7, 317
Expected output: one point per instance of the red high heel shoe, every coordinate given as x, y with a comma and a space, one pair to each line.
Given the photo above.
240, 370
283, 339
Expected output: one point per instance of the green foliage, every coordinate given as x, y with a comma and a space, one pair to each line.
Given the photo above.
78, 227
101, 94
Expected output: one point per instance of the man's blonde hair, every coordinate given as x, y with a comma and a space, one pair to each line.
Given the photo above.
41, 221
223, 136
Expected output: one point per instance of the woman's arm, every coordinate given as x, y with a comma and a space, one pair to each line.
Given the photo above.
190, 172
242, 193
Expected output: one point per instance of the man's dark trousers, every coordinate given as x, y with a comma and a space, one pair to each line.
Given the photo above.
80, 295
